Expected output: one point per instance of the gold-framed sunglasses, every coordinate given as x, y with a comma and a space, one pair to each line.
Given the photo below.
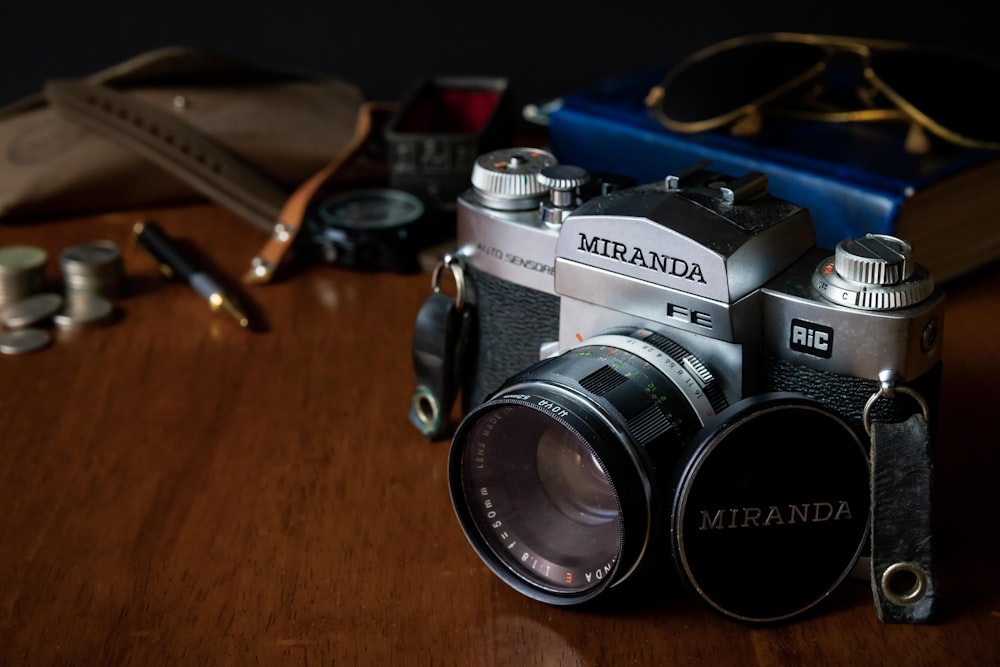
739, 81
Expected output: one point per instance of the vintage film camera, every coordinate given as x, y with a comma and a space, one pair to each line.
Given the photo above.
674, 371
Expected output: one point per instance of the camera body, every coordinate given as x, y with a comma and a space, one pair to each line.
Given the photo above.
676, 368
731, 271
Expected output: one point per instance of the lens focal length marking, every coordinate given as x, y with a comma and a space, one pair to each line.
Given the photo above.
562, 578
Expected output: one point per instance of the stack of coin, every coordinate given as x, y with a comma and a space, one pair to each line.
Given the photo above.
94, 268
22, 272
22, 302
93, 275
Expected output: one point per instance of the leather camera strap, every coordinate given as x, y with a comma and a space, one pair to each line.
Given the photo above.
174, 144
293, 212
163, 66
206, 166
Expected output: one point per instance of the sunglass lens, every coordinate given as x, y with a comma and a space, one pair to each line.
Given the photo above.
714, 87
955, 92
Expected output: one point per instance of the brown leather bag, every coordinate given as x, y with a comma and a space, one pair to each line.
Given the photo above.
284, 125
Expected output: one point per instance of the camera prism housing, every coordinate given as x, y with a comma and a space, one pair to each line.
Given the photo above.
674, 370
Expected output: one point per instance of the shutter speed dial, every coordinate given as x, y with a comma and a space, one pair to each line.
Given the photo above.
874, 272
507, 179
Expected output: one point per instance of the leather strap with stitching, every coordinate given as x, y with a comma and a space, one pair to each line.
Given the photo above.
208, 167
174, 144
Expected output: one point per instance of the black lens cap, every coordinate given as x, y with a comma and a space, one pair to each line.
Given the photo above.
770, 507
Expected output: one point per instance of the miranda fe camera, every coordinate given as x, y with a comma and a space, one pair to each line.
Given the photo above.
672, 379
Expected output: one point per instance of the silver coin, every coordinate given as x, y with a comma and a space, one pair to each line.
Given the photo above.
84, 310
87, 254
20, 341
30, 310
22, 272
18, 258
94, 268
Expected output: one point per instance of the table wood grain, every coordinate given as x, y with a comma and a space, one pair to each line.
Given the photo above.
175, 490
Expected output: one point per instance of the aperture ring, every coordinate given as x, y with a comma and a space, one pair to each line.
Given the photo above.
699, 389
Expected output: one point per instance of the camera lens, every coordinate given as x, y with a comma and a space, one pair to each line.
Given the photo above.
552, 477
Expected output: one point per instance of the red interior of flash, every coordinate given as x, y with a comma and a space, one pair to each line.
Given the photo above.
440, 110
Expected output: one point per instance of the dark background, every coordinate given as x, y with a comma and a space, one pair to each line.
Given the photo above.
544, 49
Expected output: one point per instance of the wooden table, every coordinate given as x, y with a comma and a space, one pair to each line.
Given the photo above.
175, 490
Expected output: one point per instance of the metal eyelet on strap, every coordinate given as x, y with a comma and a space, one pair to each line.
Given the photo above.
889, 390
451, 262
440, 348
904, 583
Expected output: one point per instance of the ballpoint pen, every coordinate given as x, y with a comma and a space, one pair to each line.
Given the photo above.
174, 263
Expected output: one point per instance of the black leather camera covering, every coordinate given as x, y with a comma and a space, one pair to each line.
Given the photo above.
847, 395
514, 321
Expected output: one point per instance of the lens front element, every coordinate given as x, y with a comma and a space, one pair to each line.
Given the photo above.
573, 479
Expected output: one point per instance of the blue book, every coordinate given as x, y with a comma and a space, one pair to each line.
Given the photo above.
855, 178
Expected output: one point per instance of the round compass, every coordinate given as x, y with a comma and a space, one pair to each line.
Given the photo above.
376, 228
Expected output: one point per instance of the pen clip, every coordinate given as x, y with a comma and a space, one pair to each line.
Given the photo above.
165, 269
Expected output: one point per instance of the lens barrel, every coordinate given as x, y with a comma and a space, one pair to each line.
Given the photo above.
553, 477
